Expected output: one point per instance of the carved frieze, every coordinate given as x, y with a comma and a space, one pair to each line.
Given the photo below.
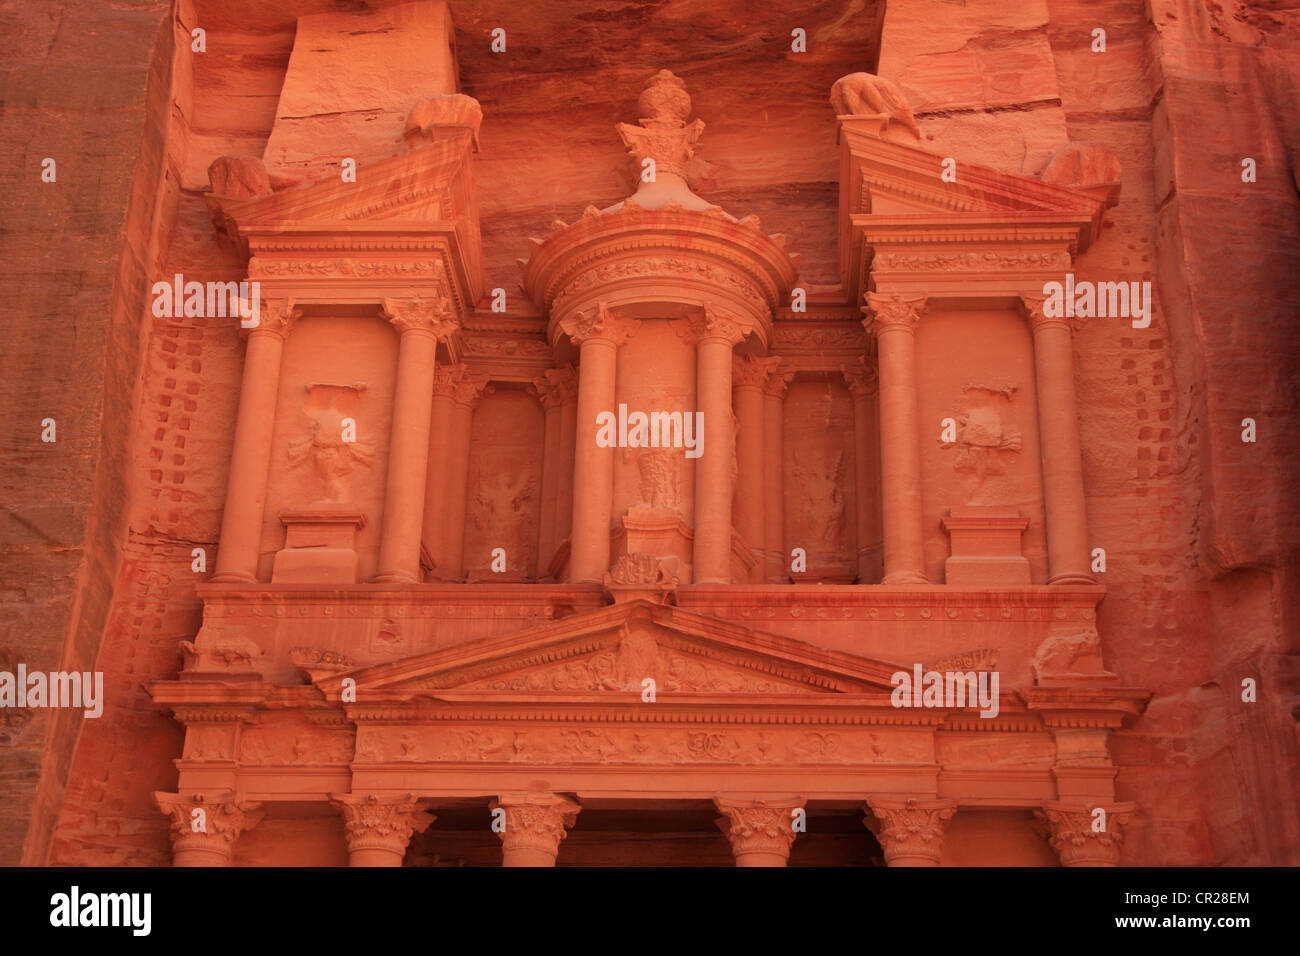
969, 261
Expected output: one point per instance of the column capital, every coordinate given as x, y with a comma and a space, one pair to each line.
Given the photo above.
710, 323
1033, 304
892, 311
435, 316
556, 386
911, 830
779, 379
862, 378
601, 323
1080, 836
372, 822
210, 822
752, 371
461, 385
758, 826
274, 315
536, 821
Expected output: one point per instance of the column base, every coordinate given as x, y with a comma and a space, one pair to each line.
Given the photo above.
394, 577
1071, 577
905, 577
232, 577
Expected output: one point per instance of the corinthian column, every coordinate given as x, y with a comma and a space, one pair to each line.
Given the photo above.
378, 829
250, 461
893, 321
204, 828
911, 831
864, 386
553, 388
714, 334
467, 391
421, 323
760, 831
1083, 837
534, 825
598, 333
776, 558
748, 378
1058, 430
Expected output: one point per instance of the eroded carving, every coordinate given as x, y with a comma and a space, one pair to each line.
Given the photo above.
330, 456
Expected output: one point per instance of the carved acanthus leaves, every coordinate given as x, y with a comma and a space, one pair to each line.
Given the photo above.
460, 384
600, 322
372, 822
535, 821
752, 371
273, 315
435, 316
1086, 836
912, 829
862, 378
758, 826
556, 386
886, 312
1033, 304
209, 822
712, 324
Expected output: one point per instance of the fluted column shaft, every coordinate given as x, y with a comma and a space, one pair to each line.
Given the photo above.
599, 333
1058, 429
250, 461
421, 324
894, 323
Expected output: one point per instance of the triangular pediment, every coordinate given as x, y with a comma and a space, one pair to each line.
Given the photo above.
616, 650
417, 187
895, 178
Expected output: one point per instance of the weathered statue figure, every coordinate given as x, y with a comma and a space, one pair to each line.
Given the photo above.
865, 94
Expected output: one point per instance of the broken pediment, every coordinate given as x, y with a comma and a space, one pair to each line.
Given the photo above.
403, 226
618, 649
912, 217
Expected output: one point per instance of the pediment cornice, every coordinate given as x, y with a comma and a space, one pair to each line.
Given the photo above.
407, 225
984, 235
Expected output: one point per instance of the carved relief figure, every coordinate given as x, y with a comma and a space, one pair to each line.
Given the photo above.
501, 509
331, 457
822, 481
659, 470
982, 433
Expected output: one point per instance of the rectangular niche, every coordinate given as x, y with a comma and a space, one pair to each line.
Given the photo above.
503, 497
819, 470
333, 419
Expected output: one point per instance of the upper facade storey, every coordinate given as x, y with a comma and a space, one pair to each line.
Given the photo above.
671, 404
